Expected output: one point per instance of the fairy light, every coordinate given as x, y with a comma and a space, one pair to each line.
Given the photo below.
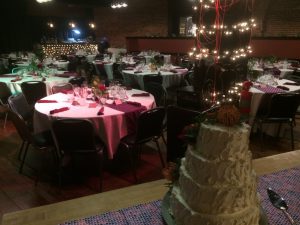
52, 50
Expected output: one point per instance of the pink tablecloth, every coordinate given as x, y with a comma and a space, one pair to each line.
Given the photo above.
111, 126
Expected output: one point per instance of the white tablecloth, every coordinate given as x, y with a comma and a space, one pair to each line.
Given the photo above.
15, 87
257, 96
110, 127
169, 78
61, 64
108, 67
283, 72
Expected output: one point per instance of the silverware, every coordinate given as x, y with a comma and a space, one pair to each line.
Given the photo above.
279, 203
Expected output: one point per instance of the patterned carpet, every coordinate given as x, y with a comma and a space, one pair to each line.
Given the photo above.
286, 183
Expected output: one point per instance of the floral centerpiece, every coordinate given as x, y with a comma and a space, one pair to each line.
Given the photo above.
35, 68
99, 89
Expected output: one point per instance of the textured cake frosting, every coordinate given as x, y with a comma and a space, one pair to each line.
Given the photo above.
217, 185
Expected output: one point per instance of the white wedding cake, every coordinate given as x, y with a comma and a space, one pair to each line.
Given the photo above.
217, 185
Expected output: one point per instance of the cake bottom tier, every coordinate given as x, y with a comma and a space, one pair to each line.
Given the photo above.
185, 216
216, 199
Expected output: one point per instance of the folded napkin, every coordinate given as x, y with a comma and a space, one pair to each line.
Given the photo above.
16, 79
291, 83
59, 110
101, 111
138, 71
144, 94
283, 88
93, 105
134, 103
46, 101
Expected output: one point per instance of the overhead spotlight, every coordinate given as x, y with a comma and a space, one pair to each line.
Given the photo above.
72, 24
92, 25
43, 1
118, 4
50, 24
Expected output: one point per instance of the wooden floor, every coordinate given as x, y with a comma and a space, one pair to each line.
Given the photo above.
18, 191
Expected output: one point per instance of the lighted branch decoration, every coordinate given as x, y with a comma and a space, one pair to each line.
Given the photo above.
224, 29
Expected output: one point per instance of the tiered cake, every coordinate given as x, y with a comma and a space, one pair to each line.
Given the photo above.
217, 185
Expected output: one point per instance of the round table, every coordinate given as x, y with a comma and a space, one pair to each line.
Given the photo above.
15, 87
108, 67
111, 126
169, 78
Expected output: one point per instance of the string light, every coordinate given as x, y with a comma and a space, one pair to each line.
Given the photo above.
53, 50
119, 4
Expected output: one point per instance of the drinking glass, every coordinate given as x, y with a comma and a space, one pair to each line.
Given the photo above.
122, 93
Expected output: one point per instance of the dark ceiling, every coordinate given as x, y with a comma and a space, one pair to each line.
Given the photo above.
104, 3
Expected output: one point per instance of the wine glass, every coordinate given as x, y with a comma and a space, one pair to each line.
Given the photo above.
122, 93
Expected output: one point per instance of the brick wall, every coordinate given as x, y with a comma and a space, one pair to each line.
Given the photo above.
140, 18
278, 18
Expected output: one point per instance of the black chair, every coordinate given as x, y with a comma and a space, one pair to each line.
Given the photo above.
158, 91
33, 91
63, 87
40, 141
78, 81
78, 146
153, 78
117, 72
280, 109
5, 93
20, 106
149, 128
177, 119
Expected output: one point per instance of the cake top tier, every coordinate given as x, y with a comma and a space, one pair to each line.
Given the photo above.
219, 141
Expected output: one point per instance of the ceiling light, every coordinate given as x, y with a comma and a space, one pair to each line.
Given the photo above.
43, 1
119, 4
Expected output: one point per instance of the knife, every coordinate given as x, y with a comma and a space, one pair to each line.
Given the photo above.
279, 203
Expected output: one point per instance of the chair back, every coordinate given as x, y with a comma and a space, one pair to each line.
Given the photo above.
74, 136
77, 81
33, 91
177, 119
188, 78
63, 88
20, 126
19, 105
283, 105
150, 124
157, 91
4, 93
